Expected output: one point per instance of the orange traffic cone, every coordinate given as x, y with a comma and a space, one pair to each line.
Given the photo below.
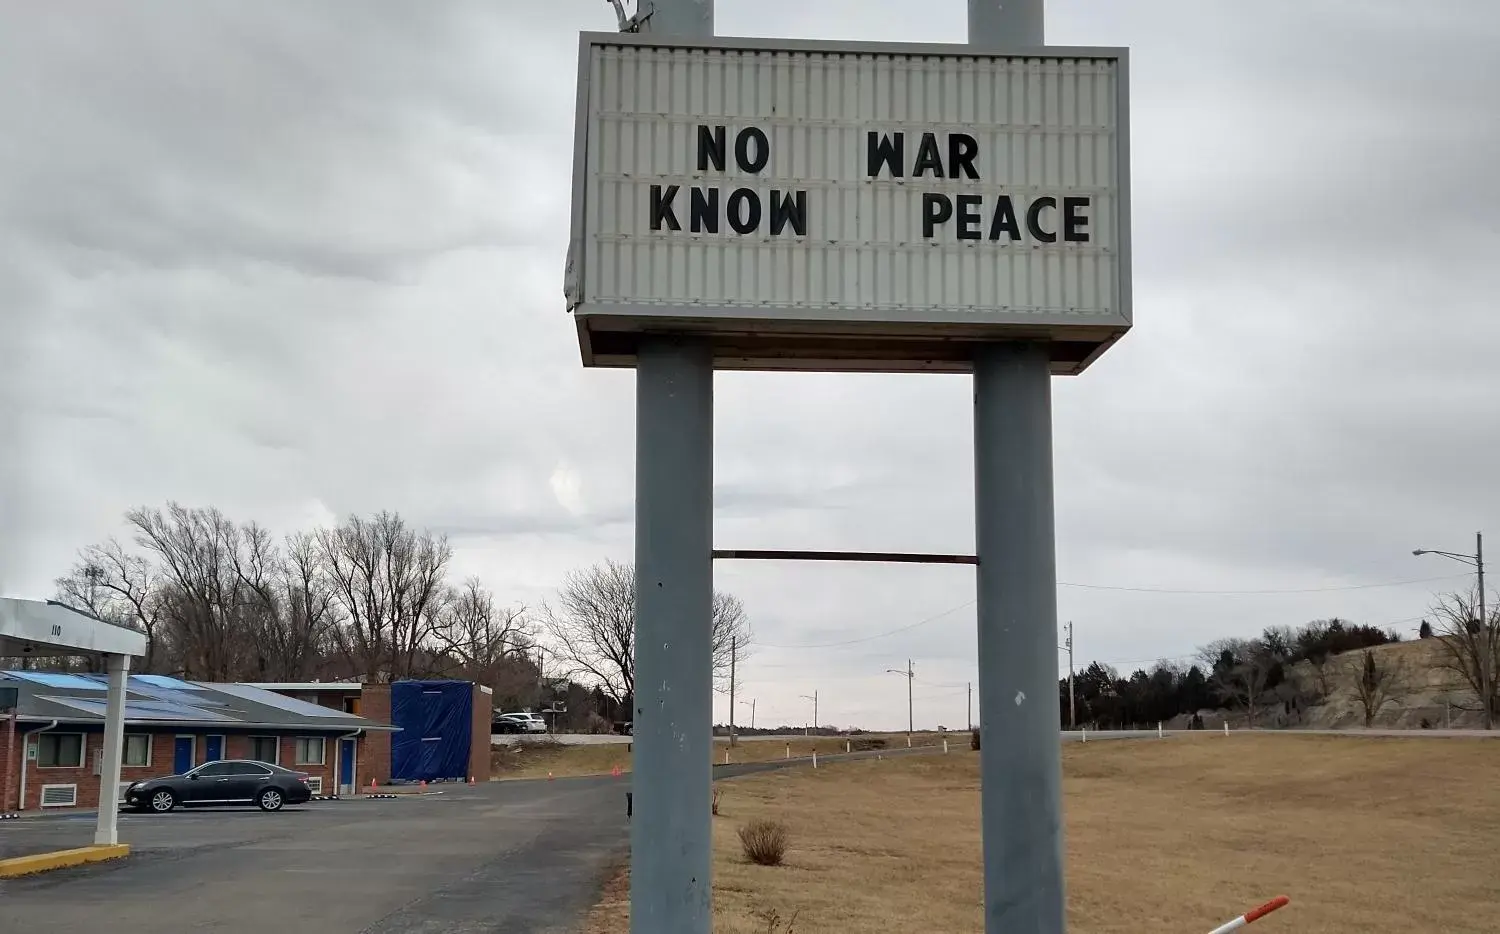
549, 776
615, 771
372, 786
424, 784
471, 779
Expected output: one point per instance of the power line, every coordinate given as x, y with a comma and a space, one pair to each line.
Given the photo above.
1246, 593
878, 635
1158, 590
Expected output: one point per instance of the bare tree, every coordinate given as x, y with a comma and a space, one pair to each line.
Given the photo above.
1471, 649
477, 636
1382, 680
288, 610
592, 627
388, 582
203, 600
731, 633
121, 588
1242, 671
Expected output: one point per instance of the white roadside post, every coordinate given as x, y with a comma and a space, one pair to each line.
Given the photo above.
1250, 917
106, 830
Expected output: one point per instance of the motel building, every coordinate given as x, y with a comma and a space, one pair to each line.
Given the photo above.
52, 737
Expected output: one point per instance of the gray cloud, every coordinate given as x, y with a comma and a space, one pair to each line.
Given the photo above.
299, 261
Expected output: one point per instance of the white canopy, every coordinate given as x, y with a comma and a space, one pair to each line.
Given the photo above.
41, 627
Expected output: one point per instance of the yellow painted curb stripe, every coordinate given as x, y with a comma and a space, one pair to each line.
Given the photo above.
60, 859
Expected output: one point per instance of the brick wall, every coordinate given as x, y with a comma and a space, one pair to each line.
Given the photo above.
8, 778
375, 747
479, 742
84, 778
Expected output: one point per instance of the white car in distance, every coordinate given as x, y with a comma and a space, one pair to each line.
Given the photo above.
519, 723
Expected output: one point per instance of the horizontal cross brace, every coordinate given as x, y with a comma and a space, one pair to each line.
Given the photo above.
885, 556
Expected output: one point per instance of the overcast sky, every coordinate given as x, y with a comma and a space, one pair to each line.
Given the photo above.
298, 260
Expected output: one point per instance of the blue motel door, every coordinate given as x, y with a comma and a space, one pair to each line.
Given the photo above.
182, 755
346, 766
213, 749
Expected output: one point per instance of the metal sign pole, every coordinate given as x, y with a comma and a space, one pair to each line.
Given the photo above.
671, 834
1020, 757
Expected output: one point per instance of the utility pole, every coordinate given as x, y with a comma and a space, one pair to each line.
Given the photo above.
1488, 668
751, 702
1072, 710
909, 678
1486, 663
733, 652
814, 698
969, 707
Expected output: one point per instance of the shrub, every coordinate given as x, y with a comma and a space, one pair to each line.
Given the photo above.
764, 842
974, 739
716, 802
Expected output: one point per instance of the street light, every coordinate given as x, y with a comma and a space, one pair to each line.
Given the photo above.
1476, 561
909, 678
814, 698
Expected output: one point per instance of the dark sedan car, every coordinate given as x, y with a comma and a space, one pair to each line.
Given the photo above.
228, 781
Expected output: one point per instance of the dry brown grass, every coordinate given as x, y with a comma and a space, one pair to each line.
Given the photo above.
536, 759
1365, 834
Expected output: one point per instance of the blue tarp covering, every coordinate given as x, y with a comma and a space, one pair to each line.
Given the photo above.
436, 721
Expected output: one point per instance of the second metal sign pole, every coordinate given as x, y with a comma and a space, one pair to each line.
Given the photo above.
1020, 754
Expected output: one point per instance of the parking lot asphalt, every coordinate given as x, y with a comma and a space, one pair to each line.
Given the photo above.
506, 856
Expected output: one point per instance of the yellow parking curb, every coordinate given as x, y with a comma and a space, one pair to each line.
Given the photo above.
60, 859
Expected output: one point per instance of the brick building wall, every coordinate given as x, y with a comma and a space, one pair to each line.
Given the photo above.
479, 742
8, 778
163, 746
375, 747
84, 778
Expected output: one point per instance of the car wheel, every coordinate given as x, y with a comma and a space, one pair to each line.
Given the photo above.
162, 801
270, 800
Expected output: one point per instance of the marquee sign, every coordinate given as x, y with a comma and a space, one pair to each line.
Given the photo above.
849, 206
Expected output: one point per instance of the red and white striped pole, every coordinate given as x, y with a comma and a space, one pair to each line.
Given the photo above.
1250, 916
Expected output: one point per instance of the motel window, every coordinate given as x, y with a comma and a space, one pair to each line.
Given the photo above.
59, 751
137, 750
264, 749
309, 750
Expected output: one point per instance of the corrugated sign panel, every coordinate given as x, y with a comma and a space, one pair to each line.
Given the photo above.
929, 187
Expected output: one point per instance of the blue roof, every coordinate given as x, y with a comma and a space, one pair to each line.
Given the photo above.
80, 698
279, 701
162, 681
55, 679
143, 710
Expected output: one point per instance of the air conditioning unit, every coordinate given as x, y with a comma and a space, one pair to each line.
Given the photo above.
315, 782
59, 796
121, 788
